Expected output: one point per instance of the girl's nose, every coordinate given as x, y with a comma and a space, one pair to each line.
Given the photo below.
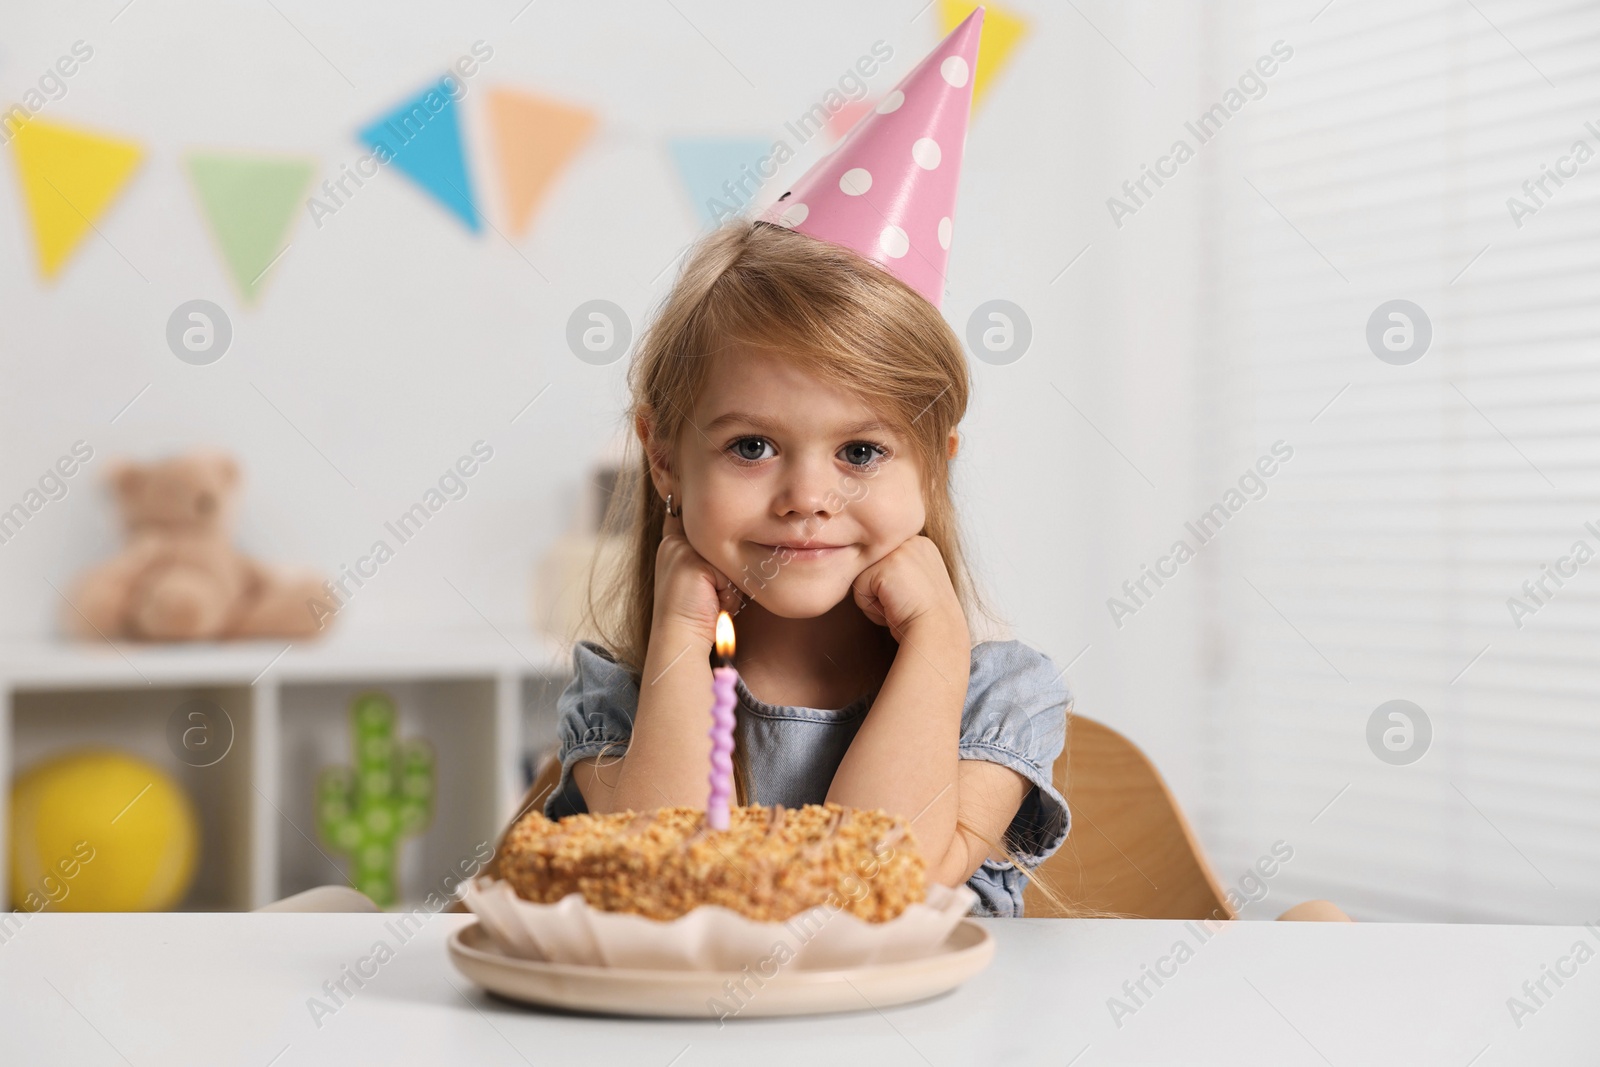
810, 489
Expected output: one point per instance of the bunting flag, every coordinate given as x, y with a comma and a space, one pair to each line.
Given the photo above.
69, 178
1003, 30
423, 138
720, 174
250, 203
535, 138
843, 121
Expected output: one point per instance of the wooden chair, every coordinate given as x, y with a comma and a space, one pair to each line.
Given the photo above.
545, 780
1130, 852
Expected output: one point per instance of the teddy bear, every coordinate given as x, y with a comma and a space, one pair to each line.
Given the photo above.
179, 578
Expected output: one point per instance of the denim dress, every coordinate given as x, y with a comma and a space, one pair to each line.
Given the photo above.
1015, 715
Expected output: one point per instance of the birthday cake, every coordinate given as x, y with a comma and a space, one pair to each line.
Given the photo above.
768, 865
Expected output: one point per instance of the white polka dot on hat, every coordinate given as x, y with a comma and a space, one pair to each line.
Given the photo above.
888, 192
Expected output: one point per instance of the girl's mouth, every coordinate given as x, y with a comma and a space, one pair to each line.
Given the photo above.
796, 553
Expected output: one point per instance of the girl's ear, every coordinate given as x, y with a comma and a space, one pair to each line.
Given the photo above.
955, 442
654, 452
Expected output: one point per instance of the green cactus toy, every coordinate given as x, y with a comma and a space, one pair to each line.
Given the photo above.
365, 811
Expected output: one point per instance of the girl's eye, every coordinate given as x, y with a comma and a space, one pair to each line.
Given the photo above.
748, 449
860, 454
855, 450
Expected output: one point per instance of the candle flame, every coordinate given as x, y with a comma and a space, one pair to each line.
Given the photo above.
724, 634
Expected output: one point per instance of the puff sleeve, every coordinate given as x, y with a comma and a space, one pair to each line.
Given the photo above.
594, 712
1016, 715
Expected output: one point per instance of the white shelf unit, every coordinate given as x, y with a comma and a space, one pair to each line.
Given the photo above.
483, 702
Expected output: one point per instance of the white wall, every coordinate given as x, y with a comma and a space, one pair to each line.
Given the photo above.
391, 339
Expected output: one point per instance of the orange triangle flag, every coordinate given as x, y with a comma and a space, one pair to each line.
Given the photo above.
69, 178
534, 138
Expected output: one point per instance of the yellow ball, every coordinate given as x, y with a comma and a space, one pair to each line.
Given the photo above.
99, 830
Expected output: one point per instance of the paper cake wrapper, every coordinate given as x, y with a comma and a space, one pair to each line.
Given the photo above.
709, 937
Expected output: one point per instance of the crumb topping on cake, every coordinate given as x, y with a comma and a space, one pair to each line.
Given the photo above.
770, 864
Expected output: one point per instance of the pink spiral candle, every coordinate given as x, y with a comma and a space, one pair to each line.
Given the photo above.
723, 676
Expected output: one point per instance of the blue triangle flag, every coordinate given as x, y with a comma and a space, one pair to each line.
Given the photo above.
423, 138
720, 173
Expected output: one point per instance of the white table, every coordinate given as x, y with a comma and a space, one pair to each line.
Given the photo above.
217, 988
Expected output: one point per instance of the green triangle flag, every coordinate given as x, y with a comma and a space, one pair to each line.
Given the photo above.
250, 203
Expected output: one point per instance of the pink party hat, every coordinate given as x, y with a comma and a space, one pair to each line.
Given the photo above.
888, 191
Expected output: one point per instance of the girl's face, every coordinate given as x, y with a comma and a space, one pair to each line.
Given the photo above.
791, 487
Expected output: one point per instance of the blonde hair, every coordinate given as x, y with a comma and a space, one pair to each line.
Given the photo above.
839, 318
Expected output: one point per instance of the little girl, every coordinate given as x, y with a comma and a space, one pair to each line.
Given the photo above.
796, 402
797, 407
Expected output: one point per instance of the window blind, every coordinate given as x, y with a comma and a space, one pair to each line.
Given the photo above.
1406, 153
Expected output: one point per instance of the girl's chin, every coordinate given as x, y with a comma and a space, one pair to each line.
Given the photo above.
796, 603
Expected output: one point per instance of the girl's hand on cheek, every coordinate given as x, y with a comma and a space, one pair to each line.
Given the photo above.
689, 591
910, 589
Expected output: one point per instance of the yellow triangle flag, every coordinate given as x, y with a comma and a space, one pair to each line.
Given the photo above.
534, 139
1002, 31
69, 178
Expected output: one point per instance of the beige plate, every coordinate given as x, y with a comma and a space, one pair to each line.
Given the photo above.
630, 991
